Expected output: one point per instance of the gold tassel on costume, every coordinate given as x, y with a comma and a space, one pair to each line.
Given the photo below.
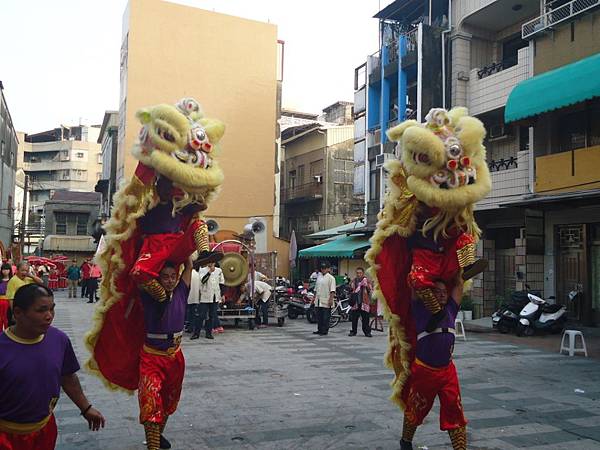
155, 289
429, 300
466, 255
201, 238
408, 430
152, 431
458, 437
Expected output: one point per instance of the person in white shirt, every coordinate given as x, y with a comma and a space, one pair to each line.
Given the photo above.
193, 301
324, 297
211, 283
262, 294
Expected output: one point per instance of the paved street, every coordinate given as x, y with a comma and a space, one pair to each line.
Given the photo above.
283, 388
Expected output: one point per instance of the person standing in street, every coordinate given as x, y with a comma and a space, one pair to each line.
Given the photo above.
360, 299
192, 301
23, 276
262, 294
324, 298
85, 276
5, 276
92, 287
73, 276
211, 283
36, 361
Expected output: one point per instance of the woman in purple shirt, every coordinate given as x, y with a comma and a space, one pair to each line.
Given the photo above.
36, 360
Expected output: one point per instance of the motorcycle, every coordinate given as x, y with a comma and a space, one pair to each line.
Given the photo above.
300, 304
506, 318
539, 315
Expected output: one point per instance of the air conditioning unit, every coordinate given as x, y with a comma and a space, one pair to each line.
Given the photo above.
497, 131
381, 159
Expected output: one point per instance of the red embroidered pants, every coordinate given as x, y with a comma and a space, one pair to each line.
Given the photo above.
161, 379
44, 439
424, 384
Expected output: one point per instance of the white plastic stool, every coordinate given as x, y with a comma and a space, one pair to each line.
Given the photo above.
571, 348
462, 333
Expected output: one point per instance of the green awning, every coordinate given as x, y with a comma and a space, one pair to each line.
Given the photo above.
555, 89
343, 247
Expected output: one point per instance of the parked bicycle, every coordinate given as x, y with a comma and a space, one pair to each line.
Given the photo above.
341, 311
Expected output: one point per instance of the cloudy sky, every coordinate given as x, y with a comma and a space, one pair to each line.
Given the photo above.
60, 59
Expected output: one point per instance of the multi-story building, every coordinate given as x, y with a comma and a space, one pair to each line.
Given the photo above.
69, 223
317, 179
235, 79
489, 58
8, 167
402, 80
561, 104
64, 158
108, 140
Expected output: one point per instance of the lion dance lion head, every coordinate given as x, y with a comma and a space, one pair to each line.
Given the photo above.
444, 166
181, 144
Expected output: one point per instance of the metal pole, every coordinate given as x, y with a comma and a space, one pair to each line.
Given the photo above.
23, 217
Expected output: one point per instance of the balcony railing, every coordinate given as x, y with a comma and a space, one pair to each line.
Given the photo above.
496, 67
555, 16
304, 192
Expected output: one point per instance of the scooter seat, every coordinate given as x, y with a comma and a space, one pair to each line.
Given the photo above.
551, 309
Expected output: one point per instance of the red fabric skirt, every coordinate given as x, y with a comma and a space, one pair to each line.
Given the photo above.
44, 439
160, 248
161, 379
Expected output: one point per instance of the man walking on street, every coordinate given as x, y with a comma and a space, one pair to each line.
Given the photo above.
211, 280
360, 298
73, 275
324, 297
36, 361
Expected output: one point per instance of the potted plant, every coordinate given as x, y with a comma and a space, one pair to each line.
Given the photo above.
466, 307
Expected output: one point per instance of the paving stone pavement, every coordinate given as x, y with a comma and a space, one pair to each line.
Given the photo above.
284, 388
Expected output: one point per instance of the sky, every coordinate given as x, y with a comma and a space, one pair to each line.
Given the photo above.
60, 59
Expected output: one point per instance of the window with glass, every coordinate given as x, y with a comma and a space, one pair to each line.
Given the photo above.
60, 223
292, 179
82, 223
359, 180
374, 182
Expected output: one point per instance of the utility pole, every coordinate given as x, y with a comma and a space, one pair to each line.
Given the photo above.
23, 217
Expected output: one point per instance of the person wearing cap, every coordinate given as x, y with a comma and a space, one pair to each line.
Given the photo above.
324, 297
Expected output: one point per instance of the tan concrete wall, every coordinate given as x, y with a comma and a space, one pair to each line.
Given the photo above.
229, 65
555, 49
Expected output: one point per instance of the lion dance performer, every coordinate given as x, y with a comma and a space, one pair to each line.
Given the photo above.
424, 245
156, 225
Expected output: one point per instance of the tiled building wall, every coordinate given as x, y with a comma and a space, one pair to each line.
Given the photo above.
491, 92
483, 291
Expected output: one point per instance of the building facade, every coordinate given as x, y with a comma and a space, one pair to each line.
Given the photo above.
233, 74
64, 158
108, 140
69, 223
8, 167
561, 104
317, 185
528, 72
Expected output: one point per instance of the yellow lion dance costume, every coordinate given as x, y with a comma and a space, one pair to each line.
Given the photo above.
427, 235
156, 217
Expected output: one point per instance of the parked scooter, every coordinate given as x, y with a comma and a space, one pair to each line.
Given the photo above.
300, 304
539, 315
506, 318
